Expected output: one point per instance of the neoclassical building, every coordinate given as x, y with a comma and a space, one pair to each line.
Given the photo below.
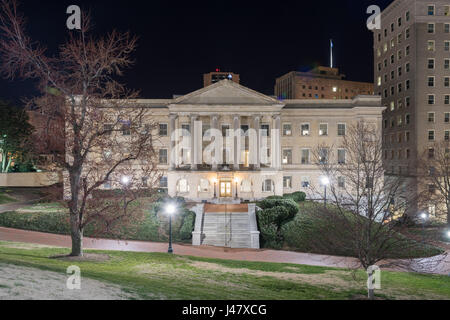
226, 142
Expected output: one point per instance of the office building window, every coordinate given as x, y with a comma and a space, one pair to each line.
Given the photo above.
446, 64
407, 51
447, 135
446, 10
430, 81
431, 117
447, 99
305, 156
430, 64
323, 155
163, 129
431, 28
431, 135
407, 16
407, 67
431, 10
265, 130
341, 129
304, 129
447, 27
163, 183
407, 101
341, 156
341, 182
287, 129
305, 182
323, 129
447, 46
407, 118
287, 182
447, 82
287, 156
447, 117
431, 46
126, 128
163, 156
431, 99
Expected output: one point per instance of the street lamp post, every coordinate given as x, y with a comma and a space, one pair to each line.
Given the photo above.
424, 217
325, 182
170, 209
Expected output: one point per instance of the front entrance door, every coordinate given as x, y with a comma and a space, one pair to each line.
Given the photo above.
225, 189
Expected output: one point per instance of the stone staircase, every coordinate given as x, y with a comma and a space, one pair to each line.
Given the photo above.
232, 226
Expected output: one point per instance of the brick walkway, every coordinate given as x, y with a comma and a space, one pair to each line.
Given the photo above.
207, 252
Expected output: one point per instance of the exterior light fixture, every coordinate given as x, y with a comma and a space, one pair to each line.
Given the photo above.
448, 234
236, 181
125, 180
170, 210
325, 181
424, 216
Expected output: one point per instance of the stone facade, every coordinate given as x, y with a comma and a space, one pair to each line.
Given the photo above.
272, 159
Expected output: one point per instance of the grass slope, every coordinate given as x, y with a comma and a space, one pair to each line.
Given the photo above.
164, 276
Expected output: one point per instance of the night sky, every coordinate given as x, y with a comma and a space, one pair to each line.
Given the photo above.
181, 40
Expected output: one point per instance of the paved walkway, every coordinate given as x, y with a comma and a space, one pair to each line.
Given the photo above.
204, 251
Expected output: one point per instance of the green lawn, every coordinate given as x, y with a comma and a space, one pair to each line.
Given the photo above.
164, 276
4, 198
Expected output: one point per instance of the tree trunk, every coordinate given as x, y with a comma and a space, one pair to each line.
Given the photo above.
370, 288
76, 234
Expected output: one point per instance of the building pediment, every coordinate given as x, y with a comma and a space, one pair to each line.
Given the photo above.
226, 93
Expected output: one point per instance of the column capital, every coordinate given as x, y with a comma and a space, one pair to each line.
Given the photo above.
194, 116
276, 116
173, 116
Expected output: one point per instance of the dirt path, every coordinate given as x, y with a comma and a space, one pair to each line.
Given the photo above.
22, 283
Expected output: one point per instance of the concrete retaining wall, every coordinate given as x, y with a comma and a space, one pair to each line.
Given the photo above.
30, 179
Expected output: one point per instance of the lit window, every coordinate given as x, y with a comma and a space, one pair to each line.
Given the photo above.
287, 182
323, 129
287, 129
287, 156
305, 129
334, 89
204, 185
431, 46
323, 155
183, 186
305, 182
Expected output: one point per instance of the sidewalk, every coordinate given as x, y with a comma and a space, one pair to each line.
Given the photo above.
204, 251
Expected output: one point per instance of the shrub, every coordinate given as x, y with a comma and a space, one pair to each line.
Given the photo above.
289, 204
296, 196
275, 213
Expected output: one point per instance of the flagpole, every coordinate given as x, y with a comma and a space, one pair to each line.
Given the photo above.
331, 53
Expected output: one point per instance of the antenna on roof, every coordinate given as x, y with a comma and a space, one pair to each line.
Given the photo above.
331, 53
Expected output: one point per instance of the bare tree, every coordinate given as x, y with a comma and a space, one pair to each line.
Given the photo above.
108, 136
363, 204
433, 167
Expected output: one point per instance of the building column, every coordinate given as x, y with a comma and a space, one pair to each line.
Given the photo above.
214, 128
276, 142
193, 142
257, 127
237, 142
173, 141
198, 144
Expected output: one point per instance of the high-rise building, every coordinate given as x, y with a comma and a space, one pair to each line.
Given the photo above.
216, 76
319, 83
412, 74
